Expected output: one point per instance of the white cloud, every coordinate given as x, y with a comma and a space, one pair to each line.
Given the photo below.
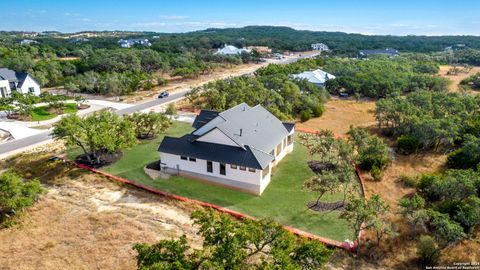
173, 17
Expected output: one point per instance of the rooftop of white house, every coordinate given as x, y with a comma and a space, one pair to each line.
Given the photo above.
254, 132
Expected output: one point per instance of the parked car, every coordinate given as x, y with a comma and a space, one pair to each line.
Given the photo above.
163, 94
343, 94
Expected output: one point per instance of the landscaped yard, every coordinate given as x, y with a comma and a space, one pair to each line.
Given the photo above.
283, 200
41, 113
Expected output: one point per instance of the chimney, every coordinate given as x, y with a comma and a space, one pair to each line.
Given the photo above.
241, 131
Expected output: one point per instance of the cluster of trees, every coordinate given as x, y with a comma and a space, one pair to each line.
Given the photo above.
24, 104
372, 154
382, 77
332, 164
103, 134
229, 244
126, 70
425, 120
472, 81
277, 92
447, 205
16, 194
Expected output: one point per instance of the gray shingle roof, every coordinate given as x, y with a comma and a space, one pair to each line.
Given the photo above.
204, 117
254, 129
13, 76
187, 146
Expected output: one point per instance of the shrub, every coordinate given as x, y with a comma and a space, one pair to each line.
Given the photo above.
408, 181
376, 173
407, 144
305, 115
15, 194
427, 250
318, 110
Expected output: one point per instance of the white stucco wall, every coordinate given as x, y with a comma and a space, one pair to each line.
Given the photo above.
4, 83
216, 136
200, 167
235, 178
29, 82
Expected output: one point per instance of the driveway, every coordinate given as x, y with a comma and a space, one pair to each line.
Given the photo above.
18, 131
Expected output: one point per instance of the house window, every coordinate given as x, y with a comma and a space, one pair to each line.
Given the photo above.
290, 139
251, 169
243, 168
31, 90
279, 148
3, 92
183, 157
192, 159
222, 169
233, 166
209, 167
265, 171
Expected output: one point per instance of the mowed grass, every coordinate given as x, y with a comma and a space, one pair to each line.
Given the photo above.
284, 200
41, 113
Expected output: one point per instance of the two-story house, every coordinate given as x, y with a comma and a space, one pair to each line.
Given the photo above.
236, 148
17, 81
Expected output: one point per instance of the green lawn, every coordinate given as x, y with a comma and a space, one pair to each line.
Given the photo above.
41, 113
283, 200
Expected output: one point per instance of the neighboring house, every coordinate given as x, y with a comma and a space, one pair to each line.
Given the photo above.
127, 43
456, 47
79, 40
17, 81
236, 148
28, 42
231, 50
317, 77
389, 52
319, 47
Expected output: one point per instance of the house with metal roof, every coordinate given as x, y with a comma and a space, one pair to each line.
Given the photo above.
236, 148
388, 51
17, 81
317, 77
127, 43
320, 47
231, 50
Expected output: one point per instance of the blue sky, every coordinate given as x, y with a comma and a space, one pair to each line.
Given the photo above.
400, 17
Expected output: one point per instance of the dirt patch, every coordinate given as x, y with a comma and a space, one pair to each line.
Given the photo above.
177, 84
91, 223
83, 106
326, 206
19, 117
341, 113
104, 159
457, 78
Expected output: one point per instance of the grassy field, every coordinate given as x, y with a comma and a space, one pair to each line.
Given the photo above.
283, 200
41, 113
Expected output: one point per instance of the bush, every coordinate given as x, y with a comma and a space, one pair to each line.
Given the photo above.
16, 194
376, 173
427, 250
318, 110
407, 144
305, 116
408, 181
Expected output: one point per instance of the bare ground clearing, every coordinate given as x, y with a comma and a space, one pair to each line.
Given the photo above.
399, 253
456, 79
341, 113
85, 221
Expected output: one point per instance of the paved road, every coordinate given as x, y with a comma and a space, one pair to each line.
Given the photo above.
44, 137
